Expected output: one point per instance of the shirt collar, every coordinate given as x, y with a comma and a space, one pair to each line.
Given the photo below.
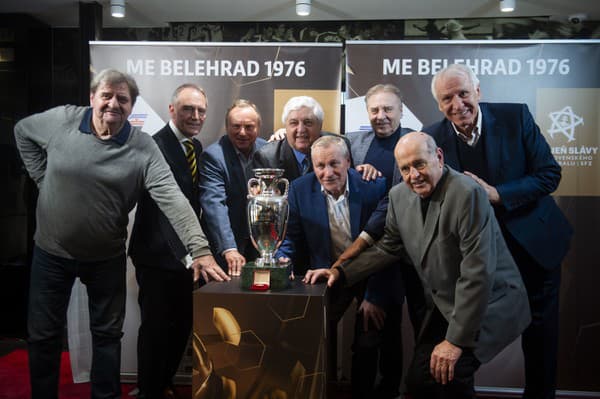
86, 127
243, 156
180, 137
475, 135
300, 156
341, 197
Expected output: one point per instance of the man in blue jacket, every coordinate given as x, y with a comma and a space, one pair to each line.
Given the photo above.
501, 148
224, 170
328, 210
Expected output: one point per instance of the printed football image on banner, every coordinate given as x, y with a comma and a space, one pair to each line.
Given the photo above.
568, 118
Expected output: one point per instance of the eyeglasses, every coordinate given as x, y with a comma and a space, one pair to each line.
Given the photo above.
420, 165
190, 110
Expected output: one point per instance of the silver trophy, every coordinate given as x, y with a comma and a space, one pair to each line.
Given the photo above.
267, 221
267, 212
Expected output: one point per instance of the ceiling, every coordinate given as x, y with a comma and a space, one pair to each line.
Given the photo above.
154, 13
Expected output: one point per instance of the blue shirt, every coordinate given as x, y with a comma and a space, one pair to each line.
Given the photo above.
300, 157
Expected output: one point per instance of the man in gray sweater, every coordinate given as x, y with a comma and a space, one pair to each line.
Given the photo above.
90, 166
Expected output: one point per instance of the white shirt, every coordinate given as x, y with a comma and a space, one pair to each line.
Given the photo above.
180, 137
338, 211
475, 134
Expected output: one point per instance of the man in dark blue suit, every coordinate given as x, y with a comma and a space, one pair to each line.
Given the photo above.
501, 148
165, 285
225, 168
328, 210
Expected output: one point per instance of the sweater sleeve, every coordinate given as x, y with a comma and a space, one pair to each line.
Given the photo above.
33, 135
162, 187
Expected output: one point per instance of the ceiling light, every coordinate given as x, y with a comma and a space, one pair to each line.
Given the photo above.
303, 7
117, 8
507, 5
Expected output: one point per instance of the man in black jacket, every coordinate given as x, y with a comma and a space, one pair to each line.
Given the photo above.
165, 294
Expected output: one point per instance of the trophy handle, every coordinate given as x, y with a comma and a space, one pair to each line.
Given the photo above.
286, 184
252, 183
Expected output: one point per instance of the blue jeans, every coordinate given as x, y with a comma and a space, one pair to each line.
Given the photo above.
52, 278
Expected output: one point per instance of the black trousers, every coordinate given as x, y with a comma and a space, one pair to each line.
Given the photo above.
372, 350
378, 350
52, 278
420, 383
539, 341
165, 299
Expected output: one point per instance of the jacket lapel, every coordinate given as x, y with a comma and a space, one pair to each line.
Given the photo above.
355, 207
319, 205
448, 141
493, 143
288, 160
175, 157
432, 216
234, 167
363, 147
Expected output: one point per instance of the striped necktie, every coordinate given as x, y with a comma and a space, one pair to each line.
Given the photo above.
305, 165
190, 155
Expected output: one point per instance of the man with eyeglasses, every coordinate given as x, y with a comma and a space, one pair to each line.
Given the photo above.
165, 285
225, 168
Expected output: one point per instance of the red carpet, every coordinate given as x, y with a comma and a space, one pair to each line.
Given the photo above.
14, 379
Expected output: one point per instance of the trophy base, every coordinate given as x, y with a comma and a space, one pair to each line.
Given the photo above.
262, 278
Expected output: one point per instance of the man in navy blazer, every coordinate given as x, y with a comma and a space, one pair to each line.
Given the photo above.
225, 168
328, 210
165, 285
501, 148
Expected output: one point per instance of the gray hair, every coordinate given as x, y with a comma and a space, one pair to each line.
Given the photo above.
241, 103
113, 77
331, 140
295, 103
431, 144
454, 69
187, 86
388, 88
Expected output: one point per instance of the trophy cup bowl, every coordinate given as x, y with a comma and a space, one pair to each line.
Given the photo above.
267, 213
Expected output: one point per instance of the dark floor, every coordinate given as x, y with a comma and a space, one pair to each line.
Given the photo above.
335, 390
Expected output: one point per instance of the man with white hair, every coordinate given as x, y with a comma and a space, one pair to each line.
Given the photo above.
303, 120
502, 149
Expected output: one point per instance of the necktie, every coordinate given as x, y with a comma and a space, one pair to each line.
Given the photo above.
190, 155
304, 165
